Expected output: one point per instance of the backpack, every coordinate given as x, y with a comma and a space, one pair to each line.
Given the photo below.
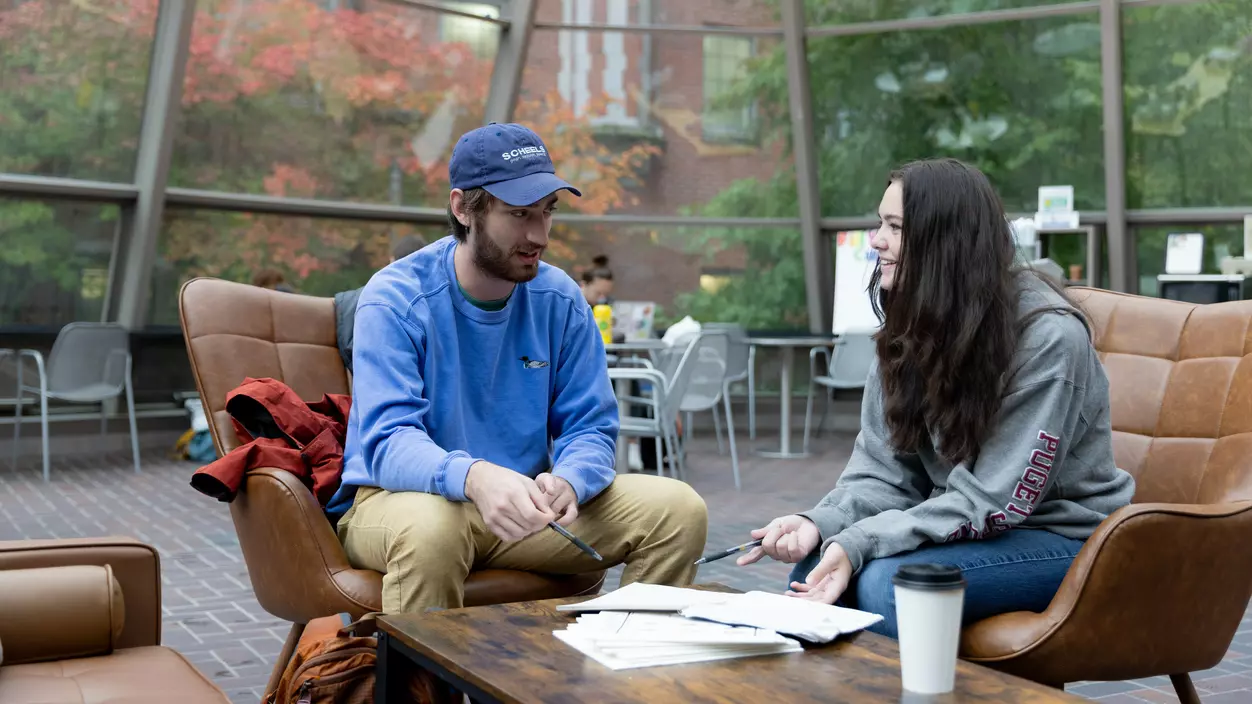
334, 664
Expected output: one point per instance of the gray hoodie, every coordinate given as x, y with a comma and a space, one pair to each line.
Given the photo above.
1047, 463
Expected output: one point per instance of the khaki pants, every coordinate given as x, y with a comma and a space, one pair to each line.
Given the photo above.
426, 546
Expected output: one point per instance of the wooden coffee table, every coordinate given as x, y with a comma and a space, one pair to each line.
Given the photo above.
507, 653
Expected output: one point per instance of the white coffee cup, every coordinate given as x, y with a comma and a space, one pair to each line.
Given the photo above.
929, 600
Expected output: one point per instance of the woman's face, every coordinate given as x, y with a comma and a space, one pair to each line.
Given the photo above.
886, 239
598, 290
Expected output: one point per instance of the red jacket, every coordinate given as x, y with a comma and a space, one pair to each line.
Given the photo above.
280, 430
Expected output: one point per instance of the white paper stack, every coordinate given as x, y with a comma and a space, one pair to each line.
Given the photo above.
621, 640
642, 625
648, 597
814, 622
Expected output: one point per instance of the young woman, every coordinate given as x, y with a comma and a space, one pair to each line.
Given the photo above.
985, 440
597, 282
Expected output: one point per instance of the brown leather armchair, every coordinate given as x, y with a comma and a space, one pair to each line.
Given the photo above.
1161, 587
80, 620
297, 566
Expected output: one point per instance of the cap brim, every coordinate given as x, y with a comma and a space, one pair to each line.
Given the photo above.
529, 189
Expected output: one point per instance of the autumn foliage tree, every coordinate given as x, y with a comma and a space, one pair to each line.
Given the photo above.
283, 98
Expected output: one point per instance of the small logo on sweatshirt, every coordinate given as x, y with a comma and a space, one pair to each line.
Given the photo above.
528, 363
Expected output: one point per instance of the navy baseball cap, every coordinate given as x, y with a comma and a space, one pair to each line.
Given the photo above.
509, 161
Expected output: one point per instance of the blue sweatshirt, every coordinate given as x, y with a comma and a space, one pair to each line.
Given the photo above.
439, 383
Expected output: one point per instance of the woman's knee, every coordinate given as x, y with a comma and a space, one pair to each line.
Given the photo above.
875, 592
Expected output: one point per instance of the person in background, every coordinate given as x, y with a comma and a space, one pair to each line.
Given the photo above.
482, 407
345, 301
597, 282
985, 437
272, 279
597, 287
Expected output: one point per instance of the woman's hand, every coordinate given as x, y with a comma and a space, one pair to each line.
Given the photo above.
828, 579
787, 539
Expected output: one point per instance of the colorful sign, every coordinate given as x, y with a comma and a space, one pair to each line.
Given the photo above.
855, 261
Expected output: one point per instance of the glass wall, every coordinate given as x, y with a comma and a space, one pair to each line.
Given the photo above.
315, 256
308, 99
336, 119
72, 80
750, 275
54, 262
668, 124
1020, 100
1188, 83
1219, 241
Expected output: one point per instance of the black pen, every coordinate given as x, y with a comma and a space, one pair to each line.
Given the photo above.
728, 552
574, 539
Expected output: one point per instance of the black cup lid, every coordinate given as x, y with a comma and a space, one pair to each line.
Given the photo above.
929, 576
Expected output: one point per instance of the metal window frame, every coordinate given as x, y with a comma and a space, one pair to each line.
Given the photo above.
456, 12
142, 219
506, 73
757, 31
818, 273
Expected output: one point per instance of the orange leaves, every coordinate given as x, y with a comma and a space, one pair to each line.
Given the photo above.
598, 170
290, 181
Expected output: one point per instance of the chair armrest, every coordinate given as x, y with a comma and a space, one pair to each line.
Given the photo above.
639, 374
1157, 589
296, 563
814, 353
136, 567
41, 369
59, 613
634, 361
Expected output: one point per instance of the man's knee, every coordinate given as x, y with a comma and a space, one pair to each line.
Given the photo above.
663, 509
680, 502
647, 498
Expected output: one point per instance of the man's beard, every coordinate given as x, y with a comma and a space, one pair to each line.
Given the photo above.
492, 260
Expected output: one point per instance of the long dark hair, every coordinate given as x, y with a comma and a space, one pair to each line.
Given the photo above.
950, 324
599, 270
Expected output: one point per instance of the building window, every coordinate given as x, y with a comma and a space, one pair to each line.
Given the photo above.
725, 64
482, 37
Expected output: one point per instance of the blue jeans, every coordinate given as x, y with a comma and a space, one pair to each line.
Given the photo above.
1019, 570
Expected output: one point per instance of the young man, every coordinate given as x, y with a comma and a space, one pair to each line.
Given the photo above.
482, 407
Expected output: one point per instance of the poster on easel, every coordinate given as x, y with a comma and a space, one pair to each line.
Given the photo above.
855, 261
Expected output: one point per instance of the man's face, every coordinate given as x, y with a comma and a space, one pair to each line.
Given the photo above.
509, 242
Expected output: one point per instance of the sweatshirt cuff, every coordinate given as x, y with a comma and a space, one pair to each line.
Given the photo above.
828, 519
855, 542
576, 480
451, 478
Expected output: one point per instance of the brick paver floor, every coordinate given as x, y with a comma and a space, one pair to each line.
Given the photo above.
212, 617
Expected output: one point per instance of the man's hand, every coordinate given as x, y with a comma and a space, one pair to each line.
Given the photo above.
787, 539
828, 579
561, 497
512, 505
